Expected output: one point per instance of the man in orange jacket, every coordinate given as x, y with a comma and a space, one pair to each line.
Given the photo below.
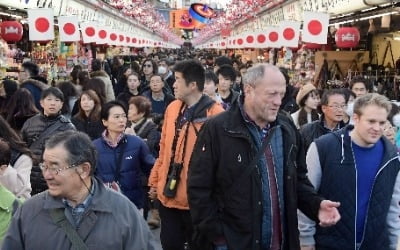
183, 119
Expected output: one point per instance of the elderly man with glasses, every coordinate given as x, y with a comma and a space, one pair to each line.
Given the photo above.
77, 211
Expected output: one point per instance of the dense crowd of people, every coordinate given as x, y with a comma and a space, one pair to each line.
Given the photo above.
217, 153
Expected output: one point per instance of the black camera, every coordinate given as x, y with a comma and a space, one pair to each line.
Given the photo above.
173, 178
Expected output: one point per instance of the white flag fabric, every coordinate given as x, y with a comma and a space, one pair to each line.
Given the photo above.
89, 32
249, 40
272, 35
260, 39
41, 24
315, 27
289, 33
68, 29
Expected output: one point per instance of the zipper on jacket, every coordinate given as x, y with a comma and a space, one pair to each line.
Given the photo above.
373, 186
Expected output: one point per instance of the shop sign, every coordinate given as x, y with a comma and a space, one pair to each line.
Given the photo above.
27, 4
347, 37
273, 18
338, 6
292, 11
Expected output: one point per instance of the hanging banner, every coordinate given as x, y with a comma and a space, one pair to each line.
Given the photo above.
289, 33
41, 24
89, 32
68, 29
315, 27
181, 19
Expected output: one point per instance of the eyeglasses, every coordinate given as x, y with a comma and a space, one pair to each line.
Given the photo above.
54, 169
148, 65
338, 107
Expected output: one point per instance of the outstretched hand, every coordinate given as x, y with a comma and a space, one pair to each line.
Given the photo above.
328, 213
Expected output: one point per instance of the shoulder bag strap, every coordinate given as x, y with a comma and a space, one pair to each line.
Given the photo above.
250, 168
58, 217
50, 130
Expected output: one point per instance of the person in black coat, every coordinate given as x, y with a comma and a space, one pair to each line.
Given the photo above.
88, 117
242, 199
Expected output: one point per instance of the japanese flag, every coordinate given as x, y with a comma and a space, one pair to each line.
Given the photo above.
103, 35
89, 32
260, 39
289, 33
41, 24
315, 27
68, 28
249, 40
272, 35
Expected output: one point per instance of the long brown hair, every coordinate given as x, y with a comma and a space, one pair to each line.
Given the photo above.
95, 114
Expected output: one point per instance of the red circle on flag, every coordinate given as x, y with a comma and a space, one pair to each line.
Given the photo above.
249, 39
102, 34
288, 33
261, 38
42, 24
134, 40
223, 44
89, 31
69, 28
314, 27
234, 42
121, 38
113, 37
240, 41
273, 36
128, 39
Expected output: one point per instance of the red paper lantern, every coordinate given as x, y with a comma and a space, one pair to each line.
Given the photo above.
347, 37
11, 31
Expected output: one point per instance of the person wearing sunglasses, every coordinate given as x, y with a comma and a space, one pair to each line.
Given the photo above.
148, 69
77, 211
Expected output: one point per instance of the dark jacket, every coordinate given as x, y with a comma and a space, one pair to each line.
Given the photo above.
148, 131
168, 98
110, 222
31, 133
136, 160
92, 128
226, 204
339, 183
234, 98
125, 96
314, 130
35, 87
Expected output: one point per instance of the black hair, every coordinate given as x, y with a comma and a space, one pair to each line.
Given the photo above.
360, 79
52, 91
330, 92
105, 111
192, 71
96, 65
31, 67
211, 76
78, 145
5, 153
227, 71
221, 60
8, 134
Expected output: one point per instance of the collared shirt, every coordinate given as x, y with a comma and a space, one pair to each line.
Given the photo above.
109, 142
78, 211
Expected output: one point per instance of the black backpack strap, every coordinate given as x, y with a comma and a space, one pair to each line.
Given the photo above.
58, 217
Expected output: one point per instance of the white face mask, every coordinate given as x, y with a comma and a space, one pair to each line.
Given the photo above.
350, 108
396, 120
162, 70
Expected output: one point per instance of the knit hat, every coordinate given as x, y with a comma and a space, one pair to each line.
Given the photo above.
304, 90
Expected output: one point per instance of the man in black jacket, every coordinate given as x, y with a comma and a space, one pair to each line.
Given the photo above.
241, 199
37, 129
333, 105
